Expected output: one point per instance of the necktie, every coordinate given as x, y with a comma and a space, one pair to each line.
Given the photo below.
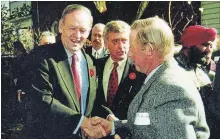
76, 77
112, 85
96, 55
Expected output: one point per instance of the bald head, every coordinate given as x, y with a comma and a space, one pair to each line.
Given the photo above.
97, 36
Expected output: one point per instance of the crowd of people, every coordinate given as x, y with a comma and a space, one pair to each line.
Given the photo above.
127, 84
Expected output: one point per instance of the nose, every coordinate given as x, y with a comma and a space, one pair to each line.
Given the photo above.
209, 48
120, 45
77, 33
96, 37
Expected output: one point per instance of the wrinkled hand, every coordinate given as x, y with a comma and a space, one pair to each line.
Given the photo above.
107, 125
92, 131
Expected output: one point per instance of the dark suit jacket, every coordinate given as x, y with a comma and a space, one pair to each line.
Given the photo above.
127, 89
56, 110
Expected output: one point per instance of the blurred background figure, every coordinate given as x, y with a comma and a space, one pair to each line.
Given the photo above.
20, 72
216, 53
195, 56
47, 37
97, 50
20, 67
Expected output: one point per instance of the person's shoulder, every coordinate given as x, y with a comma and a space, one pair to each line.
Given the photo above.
102, 60
48, 51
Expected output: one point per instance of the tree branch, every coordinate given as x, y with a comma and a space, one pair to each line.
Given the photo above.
169, 14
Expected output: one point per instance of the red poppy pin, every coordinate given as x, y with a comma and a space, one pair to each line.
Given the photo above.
92, 72
132, 76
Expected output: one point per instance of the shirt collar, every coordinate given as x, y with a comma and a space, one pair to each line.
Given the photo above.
119, 62
97, 51
78, 53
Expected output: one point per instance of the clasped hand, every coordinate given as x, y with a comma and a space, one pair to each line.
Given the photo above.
96, 127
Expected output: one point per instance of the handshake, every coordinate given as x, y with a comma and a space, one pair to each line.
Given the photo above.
97, 127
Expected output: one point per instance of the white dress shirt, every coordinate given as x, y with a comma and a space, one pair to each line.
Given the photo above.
97, 53
107, 71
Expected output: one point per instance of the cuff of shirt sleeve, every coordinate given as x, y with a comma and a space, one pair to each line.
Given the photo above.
113, 129
79, 124
112, 116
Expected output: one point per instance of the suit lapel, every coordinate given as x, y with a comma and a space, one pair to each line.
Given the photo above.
66, 74
92, 84
125, 72
145, 87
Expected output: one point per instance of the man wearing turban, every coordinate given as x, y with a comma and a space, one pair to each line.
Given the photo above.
195, 56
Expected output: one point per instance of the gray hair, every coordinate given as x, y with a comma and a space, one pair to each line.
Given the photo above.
116, 26
98, 25
156, 31
46, 33
76, 7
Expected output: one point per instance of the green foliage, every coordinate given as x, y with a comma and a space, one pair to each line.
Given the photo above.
9, 32
7, 29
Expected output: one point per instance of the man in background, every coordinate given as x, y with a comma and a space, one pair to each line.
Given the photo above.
97, 50
47, 37
198, 44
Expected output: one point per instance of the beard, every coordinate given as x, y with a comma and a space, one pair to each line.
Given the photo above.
199, 57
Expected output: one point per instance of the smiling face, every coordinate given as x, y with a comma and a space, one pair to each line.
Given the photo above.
74, 29
118, 45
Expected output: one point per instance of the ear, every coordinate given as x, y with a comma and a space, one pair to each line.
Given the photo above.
149, 49
61, 25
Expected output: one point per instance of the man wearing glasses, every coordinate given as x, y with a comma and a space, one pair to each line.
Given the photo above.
198, 44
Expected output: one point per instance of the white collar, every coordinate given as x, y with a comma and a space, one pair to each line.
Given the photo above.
119, 62
77, 53
97, 51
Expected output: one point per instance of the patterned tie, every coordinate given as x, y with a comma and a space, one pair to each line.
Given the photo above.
76, 77
112, 85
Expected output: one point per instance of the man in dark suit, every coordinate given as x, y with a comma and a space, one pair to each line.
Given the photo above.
98, 49
116, 37
64, 82
168, 106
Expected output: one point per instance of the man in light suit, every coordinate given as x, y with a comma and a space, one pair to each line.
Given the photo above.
64, 84
98, 49
168, 106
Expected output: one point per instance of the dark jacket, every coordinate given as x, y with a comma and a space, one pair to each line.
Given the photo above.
127, 89
55, 107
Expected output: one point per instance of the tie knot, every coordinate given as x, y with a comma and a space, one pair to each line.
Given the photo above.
74, 59
115, 65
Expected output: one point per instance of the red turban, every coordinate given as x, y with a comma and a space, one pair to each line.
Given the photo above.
195, 35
